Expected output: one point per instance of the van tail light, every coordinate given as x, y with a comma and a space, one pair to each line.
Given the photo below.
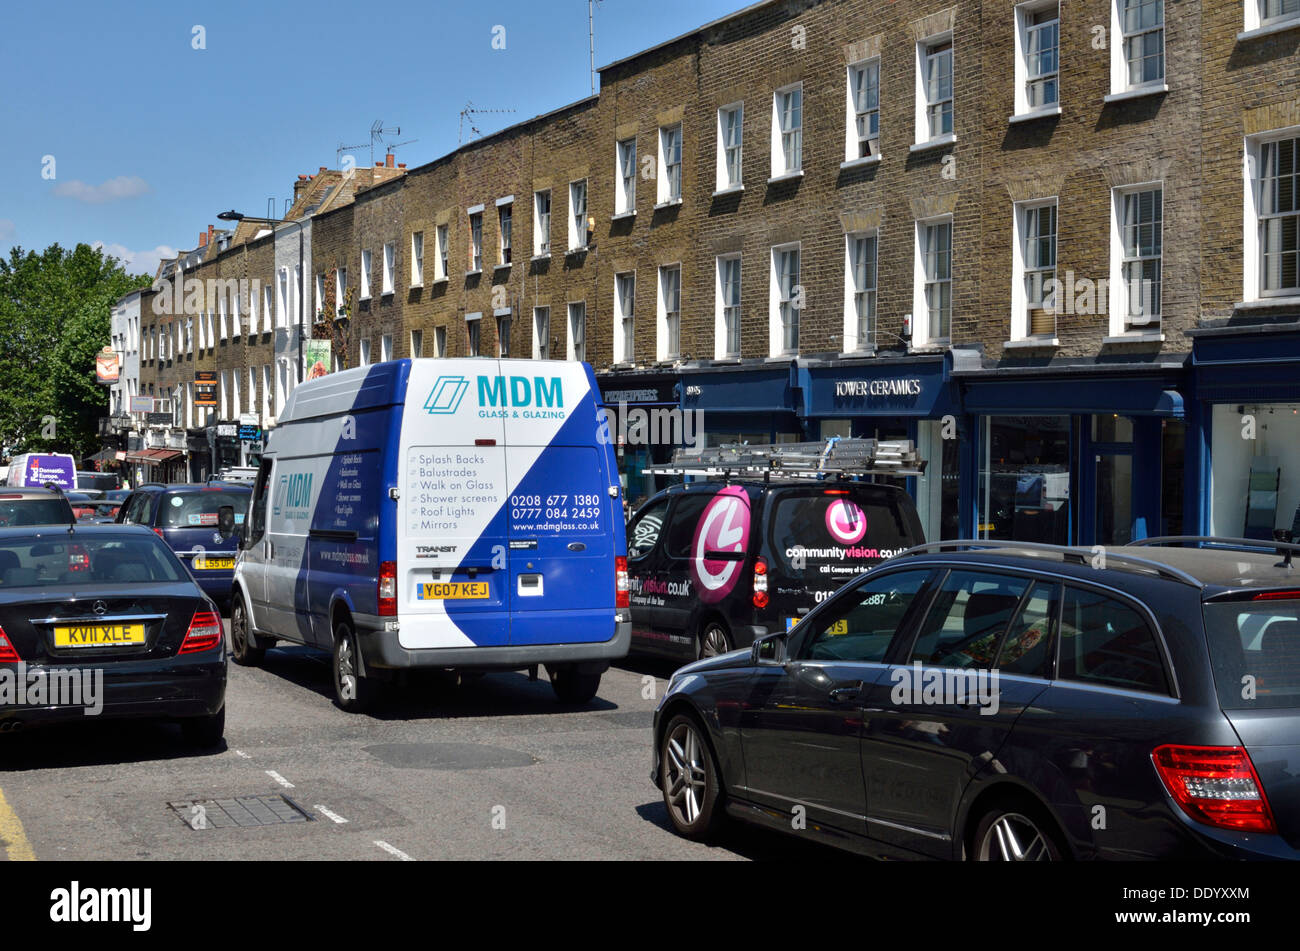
8, 653
760, 582
204, 634
388, 589
1215, 785
622, 599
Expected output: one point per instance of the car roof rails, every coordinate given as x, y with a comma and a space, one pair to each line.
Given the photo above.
1281, 545
837, 456
1067, 553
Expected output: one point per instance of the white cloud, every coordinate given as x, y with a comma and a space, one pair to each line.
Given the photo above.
137, 262
7, 230
124, 186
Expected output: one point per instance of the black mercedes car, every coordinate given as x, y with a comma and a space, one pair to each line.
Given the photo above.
105, 620
1011, 701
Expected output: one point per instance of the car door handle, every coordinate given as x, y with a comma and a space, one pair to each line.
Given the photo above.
840, 694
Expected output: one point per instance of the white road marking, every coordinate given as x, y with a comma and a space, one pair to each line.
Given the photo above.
391, 850
330, 815
242, 754
279, 779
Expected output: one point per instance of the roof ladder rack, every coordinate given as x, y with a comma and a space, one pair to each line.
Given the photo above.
836, 456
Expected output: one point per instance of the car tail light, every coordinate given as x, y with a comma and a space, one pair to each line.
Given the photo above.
78, 558
835, 491
622, 599
204, 634
760, 583
1276, 596
158, 532
388, 589
8, 653
1216, 785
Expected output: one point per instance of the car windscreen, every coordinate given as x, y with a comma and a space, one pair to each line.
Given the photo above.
51, 511
99, 559
837, 532
1255, 652
199, 509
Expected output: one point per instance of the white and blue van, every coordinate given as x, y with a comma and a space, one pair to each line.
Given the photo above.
432, 513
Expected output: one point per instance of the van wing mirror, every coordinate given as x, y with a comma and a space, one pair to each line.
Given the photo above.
226, 521
769, 650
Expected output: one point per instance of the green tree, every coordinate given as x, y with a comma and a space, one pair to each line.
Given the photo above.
55, 315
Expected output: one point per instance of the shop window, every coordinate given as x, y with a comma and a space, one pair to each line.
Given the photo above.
1024, 488
1255, 450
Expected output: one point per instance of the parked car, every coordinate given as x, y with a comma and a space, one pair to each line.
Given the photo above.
714, 565
110, 613
105, 512
34, 506
185, 516
993, 701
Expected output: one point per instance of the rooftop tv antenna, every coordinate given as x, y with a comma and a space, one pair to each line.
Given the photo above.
469, 112
591, 40
377, 132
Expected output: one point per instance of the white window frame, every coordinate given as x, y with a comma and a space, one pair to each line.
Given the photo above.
722, 349
1259, 22
442, 238
1119, 72
417, 259
363, 352
320, 295
266, 308
1025, 12
366, 264
235, 407
853, 140
572, 351
669, 185
668, 318
390, 269
474, 334
625, 177
252, 389
266, 391
476, 241
505, 233
724, 181
921, 331
927, 49
282, 302
340, 290
385, 347
1118, 290
852, 333
781, 304
578, 212
417, 344
1021, 326
542, 224
541, 333
624, 349
504, 320
1254, 215
783, 167
440, 341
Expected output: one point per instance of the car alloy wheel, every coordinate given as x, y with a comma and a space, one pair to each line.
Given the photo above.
714, 640
1014, 837
688, 779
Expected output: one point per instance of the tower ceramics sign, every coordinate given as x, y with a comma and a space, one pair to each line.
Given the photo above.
846, 522
724, 526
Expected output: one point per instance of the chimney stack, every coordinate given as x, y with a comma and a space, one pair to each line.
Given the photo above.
209, 241
203, 239
299, 185
388, 160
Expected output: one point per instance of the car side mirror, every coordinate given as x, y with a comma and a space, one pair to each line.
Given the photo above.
226, 521
769, 650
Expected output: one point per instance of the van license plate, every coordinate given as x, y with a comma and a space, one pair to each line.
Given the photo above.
448, 590
99, 635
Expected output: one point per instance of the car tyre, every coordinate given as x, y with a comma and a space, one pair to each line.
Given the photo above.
689, 779
1015, 833
572, 687
352, 691
713, 639
245, 646
204, 732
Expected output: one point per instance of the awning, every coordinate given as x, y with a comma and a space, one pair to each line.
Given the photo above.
1076, 395
153, 457
104, 455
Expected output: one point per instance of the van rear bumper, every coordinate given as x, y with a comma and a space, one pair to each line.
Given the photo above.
380, 649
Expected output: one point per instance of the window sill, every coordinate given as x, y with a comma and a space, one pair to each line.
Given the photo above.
860, 162
541, 257
1031, 342
416, 286
474, 273
782, 357
1143, 336
439, 280
729, 190
387, 294
786, 177
1155, 89
864, 352
580, 249
623, 215
503, 265
940, 142
670, 203
363, 299
1268, 303
932, 346
1268, 29
1043, 113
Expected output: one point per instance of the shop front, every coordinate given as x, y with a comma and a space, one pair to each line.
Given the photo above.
1082, 455
645, 424
1244, 430
754, 403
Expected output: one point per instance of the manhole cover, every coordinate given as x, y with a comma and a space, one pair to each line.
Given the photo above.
448, 756
239, 812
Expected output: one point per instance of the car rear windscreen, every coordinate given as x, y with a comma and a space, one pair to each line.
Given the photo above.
51, 511
1255, 653
102, 559
200, 509
837, 532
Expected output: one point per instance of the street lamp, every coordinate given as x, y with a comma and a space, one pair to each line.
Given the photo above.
233, 215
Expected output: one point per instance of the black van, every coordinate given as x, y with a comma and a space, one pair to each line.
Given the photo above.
714, 565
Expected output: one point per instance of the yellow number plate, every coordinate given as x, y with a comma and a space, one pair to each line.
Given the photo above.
839, 627
446, 590
214, 562
99, 635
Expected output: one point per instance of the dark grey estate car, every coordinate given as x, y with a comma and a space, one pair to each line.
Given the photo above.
1003, 700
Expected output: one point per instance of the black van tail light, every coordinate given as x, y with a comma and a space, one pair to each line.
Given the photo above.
204, 634
1215, 785
760, 583
622, 599
835, 491
388, 589
1276, 596
8, 653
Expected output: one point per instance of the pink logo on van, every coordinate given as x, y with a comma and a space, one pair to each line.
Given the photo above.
846, 522
724, 526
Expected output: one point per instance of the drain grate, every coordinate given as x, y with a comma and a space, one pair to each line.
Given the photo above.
240, 812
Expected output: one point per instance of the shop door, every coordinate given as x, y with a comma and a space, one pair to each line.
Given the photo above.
1112, 474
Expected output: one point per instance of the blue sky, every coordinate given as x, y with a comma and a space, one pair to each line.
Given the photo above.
150, 137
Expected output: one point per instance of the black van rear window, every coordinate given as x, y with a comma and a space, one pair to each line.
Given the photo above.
1255, 653
837, 531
